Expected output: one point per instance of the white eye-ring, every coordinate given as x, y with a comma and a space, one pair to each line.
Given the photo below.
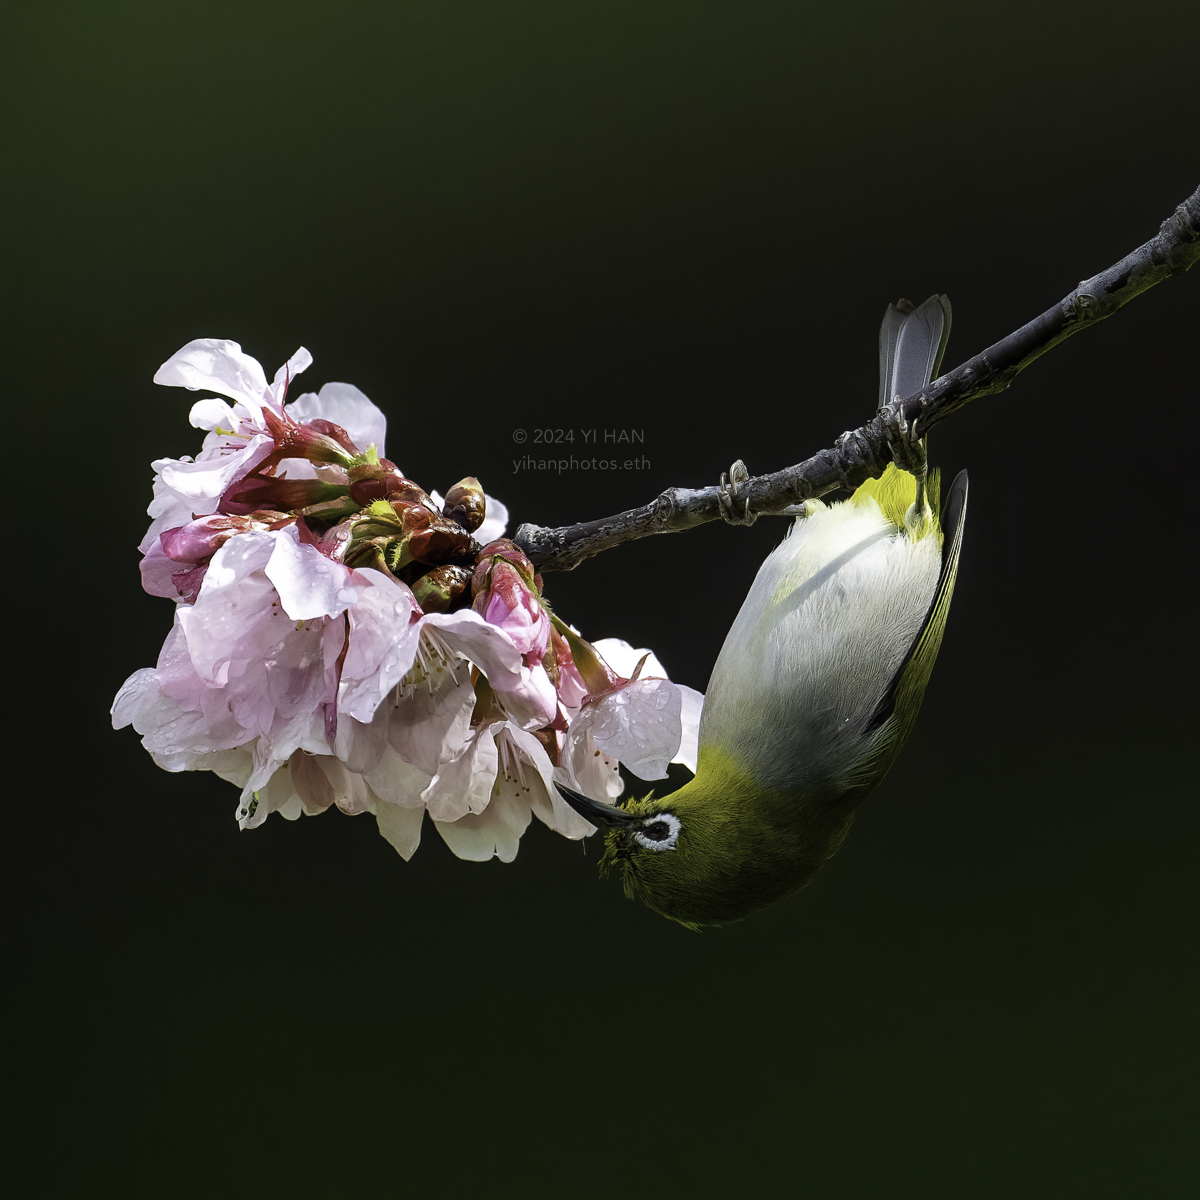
659, 832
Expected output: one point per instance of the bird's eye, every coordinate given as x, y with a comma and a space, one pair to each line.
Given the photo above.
658, 832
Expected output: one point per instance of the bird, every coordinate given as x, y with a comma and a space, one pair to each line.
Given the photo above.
817, 686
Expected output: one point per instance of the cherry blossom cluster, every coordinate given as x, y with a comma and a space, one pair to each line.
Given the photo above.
343, 638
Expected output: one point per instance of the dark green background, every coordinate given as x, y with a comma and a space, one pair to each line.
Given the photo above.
503, 216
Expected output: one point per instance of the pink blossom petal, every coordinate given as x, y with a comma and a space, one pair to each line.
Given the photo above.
532, 702
383, 643
157, 569
169, 727
237, 604
571, 687
511, 606
309, 584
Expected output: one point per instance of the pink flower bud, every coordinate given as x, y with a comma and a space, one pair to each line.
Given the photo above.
508, 603
256, 491
199, 540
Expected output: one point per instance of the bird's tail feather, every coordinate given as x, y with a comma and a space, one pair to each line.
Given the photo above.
912, 342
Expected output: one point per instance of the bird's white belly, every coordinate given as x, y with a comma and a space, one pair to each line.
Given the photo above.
828, 621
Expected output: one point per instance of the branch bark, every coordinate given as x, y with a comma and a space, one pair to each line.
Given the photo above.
864, 453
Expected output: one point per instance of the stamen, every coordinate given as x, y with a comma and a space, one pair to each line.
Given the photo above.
433, 656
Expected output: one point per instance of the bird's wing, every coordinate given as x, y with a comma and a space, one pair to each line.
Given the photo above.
911, 345
903, 695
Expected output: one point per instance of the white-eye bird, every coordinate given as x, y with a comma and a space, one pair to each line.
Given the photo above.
817, 686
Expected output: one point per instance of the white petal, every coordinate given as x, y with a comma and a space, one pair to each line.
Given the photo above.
309, 584
495, 833
464, 781
383, 643
131, 696
359, 746
540, 793
300, 361
587, 769
168, 511
401, 827
623, 659
202, 484
689, 718
235, 599
495, 521
344, 405
488, 647
311, 783
397, 782
280, 795
217, 365
350, 790
212, 414
431, 716
639, 725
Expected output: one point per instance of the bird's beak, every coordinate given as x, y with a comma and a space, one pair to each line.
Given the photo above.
596, 811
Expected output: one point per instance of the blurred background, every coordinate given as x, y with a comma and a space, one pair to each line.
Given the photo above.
684, 220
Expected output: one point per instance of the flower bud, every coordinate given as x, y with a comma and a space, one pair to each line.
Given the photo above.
508, 602
500, 550
201, 539
296, 440
336, 432
256, 491
382, 480
408, 532
443, 589
465, 504
440, 541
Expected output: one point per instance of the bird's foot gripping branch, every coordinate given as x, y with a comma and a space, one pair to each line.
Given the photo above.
343, 638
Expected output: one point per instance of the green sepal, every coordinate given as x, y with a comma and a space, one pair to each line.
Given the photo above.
588, 663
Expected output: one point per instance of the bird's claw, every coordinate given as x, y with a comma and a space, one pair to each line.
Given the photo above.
908, 449
727, 495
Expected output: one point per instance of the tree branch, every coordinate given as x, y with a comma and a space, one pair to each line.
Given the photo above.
864, 453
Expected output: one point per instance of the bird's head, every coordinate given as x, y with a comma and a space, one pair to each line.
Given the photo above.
718, 849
